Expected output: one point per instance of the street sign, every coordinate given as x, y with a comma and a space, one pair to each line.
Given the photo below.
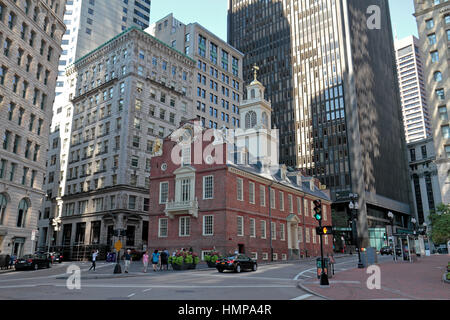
342, 229
118, 245
342, 194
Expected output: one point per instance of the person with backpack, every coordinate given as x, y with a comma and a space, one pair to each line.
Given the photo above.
155, 259
164, 260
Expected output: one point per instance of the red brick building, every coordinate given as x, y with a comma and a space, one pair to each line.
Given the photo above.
256, 209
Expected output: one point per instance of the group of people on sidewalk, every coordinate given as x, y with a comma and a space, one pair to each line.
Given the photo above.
160, 260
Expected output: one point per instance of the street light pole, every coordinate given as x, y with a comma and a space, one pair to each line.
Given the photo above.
354, 210
391, 217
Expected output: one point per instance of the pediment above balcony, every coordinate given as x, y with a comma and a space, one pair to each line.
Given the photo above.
184, 170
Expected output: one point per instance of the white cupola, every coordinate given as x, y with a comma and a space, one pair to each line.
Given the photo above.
256, 112
256, 136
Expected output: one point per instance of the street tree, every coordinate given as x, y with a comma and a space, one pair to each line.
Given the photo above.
440, 223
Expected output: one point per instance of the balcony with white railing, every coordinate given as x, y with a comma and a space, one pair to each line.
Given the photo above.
174, 208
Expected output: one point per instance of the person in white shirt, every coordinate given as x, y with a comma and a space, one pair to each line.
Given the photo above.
94, 258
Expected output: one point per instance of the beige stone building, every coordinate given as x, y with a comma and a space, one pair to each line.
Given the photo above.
141, 92
30, 34
219, 87
433, 22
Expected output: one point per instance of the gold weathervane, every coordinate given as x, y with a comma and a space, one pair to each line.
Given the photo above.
255, 69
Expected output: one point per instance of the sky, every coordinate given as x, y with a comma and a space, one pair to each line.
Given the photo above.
212, 14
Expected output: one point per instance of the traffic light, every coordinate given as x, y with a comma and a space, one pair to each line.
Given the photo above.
318, 209
324, 230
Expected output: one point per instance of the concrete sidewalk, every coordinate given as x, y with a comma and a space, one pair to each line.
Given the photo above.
421, 280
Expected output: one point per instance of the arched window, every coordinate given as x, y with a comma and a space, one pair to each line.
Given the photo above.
3, 203
252, 93
45, 24
265, 119
52, 31
437, 76
250, 119
35, 14
27, 6
22, 216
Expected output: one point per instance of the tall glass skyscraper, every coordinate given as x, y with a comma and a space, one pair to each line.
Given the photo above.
329, 70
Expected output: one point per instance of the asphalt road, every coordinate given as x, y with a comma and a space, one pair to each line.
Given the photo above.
277, 281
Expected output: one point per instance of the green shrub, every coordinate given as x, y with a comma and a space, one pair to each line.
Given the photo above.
170, 260
189, 259
196, 260
207, 258
178, 260
448, 276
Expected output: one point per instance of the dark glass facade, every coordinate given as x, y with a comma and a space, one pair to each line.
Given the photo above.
334, 92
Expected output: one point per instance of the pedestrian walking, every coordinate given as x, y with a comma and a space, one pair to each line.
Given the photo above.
128, 260
164, 260
145, 261
332, 262
155, 259
94, 258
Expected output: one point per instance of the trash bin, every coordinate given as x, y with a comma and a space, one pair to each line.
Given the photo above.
326, 263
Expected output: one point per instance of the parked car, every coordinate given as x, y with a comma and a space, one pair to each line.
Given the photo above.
57, 257
386, 250
236, 263
33, 261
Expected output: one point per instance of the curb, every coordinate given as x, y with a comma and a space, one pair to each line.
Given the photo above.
7, 271
302, 287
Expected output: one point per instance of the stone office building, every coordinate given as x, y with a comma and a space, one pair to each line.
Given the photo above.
30, 36
219, 84
433, 24
126, 95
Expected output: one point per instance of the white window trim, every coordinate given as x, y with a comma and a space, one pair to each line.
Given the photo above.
160, 191
159, 227
281, 194
204, 187
251, 192
204, 224
254, 228
255, 254
282, 234
291, 203
242, 229
275, 256
186, 219
262, 195
240, 196
263, 235
265, 256
273, 230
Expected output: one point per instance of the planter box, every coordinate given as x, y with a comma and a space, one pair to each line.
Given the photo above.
211, 264
183, 266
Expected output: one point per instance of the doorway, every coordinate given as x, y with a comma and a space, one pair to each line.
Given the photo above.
241, 248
